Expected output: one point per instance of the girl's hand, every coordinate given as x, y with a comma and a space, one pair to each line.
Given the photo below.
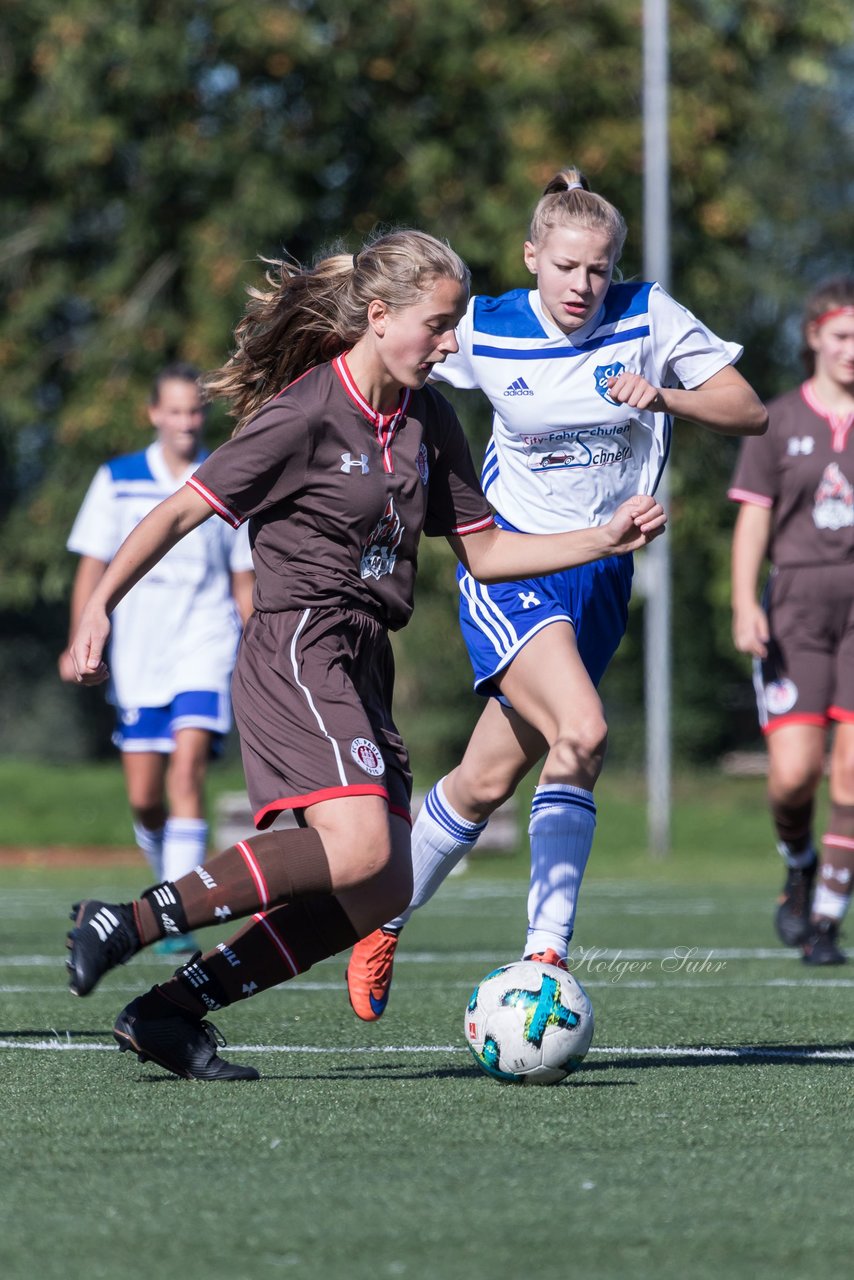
66, 667
750, 631
88, 646
635, 523
633, 390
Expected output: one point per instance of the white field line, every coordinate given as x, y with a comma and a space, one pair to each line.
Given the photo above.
583, 956
676, 1052
589, 984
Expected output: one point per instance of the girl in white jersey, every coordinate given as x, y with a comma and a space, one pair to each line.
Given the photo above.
585, 377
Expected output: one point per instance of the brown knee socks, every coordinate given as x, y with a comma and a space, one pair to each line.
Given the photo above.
253, 875
269, 949
793, 824
833, 892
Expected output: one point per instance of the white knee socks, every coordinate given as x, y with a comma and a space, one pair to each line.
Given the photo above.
184, 844
563, 819
440, 838
151, 844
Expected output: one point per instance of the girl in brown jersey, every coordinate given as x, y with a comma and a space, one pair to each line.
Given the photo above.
796, 489
339, 474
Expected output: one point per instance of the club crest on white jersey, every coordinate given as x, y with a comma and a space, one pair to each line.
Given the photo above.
601, 375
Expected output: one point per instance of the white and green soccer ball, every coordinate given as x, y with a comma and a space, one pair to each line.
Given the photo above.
529, 1023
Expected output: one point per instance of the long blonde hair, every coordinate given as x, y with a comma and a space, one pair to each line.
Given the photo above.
309, 315
567, 199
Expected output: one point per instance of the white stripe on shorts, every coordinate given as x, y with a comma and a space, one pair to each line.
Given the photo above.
486, 615
314, 711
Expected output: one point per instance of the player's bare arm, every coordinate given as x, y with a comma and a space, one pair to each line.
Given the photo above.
242, 584
750, 632
89, 573
161, 529
496, 555
724, 403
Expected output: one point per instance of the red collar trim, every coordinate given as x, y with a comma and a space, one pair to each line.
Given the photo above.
381, 421
839, 424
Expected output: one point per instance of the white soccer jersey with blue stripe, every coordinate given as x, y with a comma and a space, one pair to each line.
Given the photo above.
177, 629
562, 454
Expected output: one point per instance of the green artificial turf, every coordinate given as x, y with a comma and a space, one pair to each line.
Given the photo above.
706, 1134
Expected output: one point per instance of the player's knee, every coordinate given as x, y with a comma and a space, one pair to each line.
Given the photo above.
478, 793
794, 781
580, 747
185, 783
147, 813
369, 856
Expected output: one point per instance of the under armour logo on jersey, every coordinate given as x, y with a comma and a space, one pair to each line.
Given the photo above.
249, 988
528, 599
800, 444
518, 388
348, 462
222, 913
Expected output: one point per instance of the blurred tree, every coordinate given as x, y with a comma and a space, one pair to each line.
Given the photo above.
149, 151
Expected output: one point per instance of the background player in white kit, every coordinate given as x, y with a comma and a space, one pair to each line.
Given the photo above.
585, 377
174, 640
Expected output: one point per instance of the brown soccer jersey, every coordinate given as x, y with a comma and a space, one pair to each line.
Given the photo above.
337, 495
802, 468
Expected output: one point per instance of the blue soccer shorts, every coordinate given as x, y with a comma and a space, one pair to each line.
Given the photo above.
154, 728
497, 621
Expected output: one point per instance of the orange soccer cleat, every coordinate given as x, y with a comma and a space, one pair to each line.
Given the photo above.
548, 957
369, 974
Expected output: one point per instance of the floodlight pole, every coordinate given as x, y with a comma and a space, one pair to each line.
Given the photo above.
657, 611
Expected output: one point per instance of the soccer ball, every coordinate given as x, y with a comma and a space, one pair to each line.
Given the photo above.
529, 1023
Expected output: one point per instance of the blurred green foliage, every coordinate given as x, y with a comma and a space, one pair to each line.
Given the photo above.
149, 152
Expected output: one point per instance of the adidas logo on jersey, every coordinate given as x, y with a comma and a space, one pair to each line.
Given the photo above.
518, 388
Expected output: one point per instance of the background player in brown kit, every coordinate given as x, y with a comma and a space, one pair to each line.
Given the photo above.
338, 474
796, 489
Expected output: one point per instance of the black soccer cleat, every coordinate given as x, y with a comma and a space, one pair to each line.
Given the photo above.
793, 912
103, 936
821, 944
179, 1043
